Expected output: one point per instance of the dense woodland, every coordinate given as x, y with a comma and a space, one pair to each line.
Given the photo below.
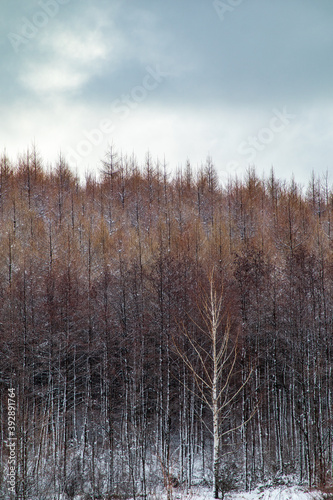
102, 287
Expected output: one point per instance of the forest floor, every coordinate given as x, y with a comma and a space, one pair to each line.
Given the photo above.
260, 493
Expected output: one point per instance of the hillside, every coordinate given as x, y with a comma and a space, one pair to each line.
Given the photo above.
103, 291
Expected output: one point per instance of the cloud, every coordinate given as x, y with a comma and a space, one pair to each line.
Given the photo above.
66, 61
81, 49
48, 78
223, 79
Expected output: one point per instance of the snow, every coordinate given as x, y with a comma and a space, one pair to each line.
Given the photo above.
260, 493
280, 493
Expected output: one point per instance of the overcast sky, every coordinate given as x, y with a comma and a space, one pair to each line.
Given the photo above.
248, 82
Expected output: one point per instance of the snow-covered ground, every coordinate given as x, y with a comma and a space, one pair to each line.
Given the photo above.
274, 493
280, 493
260, 493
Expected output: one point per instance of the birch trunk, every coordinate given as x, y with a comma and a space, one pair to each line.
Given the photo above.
212, 378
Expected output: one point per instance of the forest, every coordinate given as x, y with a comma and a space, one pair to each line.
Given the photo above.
111, 289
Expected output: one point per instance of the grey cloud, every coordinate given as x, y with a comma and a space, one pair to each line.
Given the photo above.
263, 54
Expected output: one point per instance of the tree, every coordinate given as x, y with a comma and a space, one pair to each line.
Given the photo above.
213, 367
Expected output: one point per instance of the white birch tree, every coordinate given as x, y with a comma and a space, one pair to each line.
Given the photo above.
212, 368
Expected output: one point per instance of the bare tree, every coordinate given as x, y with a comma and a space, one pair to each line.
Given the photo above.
213, 367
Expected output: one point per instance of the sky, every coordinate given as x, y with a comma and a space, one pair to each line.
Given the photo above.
245, 82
